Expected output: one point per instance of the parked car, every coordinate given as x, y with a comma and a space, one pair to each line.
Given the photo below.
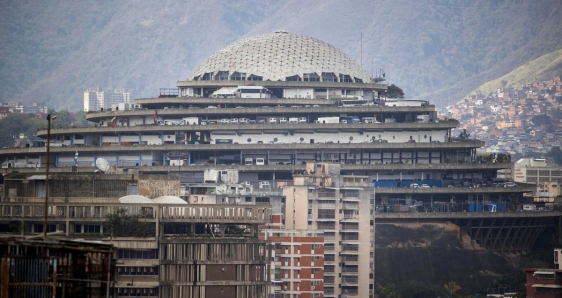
211, 107
424, 186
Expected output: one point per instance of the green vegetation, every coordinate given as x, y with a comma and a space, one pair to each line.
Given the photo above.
451, 288
491, 157
13, 125
464, 134
120, 224
410, 289
540, 119
556, 154
394, 91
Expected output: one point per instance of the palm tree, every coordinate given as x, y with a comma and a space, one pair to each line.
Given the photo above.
451, 287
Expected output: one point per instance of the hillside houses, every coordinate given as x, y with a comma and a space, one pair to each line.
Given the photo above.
504, 119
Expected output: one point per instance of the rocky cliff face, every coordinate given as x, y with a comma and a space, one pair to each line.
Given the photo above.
436, 253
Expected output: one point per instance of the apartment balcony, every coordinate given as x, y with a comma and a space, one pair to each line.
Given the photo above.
350, 259
350, 199
350, 273
350, 206
350, 218
346, 282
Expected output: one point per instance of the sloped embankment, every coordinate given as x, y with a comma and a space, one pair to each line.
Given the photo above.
435, 253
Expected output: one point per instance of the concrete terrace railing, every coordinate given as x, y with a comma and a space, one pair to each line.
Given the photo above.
470, 144
467, 215
323, 110
298, 167
240, 214
252, 127
310, 84
453, 190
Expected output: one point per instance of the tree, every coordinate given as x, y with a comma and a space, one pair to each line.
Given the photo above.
387, 291
395, 91
64, 119
556, 154
416, 289
120, 224
540, 119
464, 134
451, 288
80, 120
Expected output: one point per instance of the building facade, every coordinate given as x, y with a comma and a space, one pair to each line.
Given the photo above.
340, 206
547, 178
95, 100
164, 248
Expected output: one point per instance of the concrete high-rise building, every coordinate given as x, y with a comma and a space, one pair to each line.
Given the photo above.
118, 96
95, 99
547, 178
168, 248
340, 205
298, 263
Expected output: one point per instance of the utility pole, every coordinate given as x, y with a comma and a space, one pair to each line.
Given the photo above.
47, 176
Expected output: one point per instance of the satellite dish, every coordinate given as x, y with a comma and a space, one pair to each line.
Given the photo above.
102, 164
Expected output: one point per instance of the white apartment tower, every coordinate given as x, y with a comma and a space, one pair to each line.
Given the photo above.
118, 96
95, 99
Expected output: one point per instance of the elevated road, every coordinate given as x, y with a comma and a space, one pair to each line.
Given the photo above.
500, 232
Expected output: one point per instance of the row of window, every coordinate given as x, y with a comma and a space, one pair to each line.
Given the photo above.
137, 270
544, 173
137, 292
138, 254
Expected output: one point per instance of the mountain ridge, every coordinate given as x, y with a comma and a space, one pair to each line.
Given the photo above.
437, 50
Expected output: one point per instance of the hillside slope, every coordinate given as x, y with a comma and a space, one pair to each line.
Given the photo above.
434, 49
542, 68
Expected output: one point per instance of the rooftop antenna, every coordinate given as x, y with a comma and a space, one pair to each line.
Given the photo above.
102, 164
361, 49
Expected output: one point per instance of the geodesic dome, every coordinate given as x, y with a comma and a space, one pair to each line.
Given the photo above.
280, 56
